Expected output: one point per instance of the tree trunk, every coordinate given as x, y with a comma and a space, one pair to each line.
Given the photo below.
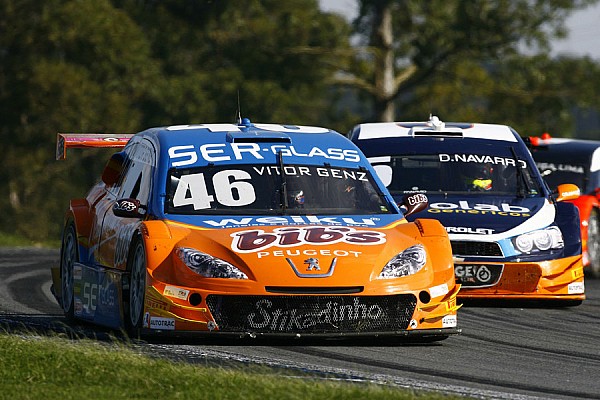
382, 41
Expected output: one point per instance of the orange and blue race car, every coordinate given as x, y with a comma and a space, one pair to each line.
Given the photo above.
250, 230
577, 161
512, 238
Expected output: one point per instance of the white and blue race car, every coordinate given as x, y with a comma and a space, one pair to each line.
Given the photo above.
511, 236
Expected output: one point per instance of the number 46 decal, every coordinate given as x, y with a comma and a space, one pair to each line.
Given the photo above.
229, 188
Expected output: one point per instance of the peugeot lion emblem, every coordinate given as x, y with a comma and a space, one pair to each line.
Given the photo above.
313, 265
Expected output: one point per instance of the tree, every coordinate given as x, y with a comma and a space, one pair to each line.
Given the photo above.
408, 42
125, 65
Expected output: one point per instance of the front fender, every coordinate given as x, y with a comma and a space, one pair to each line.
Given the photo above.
567, 219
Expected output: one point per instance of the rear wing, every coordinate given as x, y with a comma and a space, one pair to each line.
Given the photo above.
66, 141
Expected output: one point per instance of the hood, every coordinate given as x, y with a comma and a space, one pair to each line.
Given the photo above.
497, 217
341, 254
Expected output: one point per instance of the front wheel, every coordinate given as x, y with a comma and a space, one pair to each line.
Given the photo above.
68, 257
134, 308
593, 243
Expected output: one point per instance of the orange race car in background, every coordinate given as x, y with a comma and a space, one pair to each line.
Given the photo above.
250, 229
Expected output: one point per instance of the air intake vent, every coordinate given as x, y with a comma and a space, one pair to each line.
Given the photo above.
261, 139
314, 290
312, 314
476, 249
258, 137
432, 133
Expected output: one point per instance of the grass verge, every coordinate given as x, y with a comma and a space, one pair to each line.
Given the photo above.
11, 240
35, 367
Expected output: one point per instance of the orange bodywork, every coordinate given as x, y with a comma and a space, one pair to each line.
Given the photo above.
174, 291
560, 279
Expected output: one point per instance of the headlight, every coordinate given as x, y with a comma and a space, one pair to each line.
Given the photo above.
409, 262
207, 265
540, 240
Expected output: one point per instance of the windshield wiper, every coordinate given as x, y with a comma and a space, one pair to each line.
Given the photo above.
283, 189
522, 186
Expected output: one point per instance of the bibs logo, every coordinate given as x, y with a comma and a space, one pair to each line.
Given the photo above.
463, 207
255, 240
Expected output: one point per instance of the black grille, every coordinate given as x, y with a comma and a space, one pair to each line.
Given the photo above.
487, 249
312, 314
314, 290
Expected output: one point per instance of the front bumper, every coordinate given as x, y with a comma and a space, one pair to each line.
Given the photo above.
561, 279
255, 315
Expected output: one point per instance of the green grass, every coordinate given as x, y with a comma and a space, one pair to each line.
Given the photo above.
12, 240
48, 368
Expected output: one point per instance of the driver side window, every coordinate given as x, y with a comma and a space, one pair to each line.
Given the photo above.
137, 179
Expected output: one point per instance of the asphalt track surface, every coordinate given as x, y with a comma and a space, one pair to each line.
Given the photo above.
518, 352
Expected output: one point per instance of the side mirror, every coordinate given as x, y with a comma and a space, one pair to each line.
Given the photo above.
413, 203
129, 208
567, 191
112, 170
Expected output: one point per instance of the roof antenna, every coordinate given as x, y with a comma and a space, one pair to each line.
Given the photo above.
239, 109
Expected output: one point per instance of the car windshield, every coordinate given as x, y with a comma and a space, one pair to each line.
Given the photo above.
559, 173
458, 173
264, 190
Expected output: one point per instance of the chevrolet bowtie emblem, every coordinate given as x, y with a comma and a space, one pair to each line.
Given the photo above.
313, 265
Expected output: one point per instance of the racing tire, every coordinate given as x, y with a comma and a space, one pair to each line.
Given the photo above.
135, 295
68, 257
593, 243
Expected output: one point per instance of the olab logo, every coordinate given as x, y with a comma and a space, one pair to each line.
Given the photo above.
463, 207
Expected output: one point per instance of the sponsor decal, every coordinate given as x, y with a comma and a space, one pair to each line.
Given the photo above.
481, 159
308, 252
125, 205
333, 313
257, 240
576, 169
449, 321
571, 193
107, 293
218, 152
439, 290
77, 307
413, 324
289, 220
77, 272
146, 322
463, 229
464, 207
177, 292
90, 297
576, 288
478, 275
167, 324
156, 304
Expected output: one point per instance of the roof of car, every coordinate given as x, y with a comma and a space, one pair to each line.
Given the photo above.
564, 145
566, 150
434, 127
205, 144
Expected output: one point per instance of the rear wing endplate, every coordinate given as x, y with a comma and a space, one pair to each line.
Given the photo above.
66, 141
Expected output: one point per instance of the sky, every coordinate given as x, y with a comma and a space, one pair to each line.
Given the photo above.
583, 38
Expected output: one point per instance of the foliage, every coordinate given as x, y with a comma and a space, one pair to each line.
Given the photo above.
126, 65
409, 43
